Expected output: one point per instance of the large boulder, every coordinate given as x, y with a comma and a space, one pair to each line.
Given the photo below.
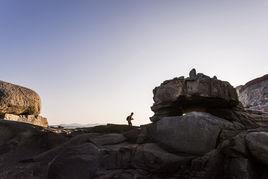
195, 93
194, 133
254, 94
18, 100
254, 97
75, 162
257, 143
152, 158
95, 161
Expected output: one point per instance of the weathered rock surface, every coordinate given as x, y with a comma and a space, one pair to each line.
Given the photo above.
220, 149
254, 97
215, 138
254, 94
20, 141
195, 93
18, 100
20, 104
31, 119
94, 162
257, 143
200, 129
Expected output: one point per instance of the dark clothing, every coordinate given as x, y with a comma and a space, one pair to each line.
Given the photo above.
129, 119
129, 123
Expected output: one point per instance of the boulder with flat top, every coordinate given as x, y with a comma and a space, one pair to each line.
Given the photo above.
197, 92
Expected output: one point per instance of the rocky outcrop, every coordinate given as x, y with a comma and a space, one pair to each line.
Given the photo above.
195, 93
254, 97
200, 129
220, 149
197, 133
254, 94
20, 104
32, 119
198, 92
18, 100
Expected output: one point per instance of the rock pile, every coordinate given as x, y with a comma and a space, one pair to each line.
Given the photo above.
20, 104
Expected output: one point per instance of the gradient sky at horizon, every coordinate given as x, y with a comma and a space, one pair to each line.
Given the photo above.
95, 61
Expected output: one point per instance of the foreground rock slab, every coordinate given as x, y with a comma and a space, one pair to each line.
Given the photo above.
28, 151
195, 133
257, 143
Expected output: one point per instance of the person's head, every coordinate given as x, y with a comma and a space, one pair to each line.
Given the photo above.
132, 114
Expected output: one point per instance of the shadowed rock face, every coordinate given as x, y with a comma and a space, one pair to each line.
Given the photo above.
18, 100
196, 145
195, 93
200, 129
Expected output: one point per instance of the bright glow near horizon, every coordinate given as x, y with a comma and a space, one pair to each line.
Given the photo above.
97, 61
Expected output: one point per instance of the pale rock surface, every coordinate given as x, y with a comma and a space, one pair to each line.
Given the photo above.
254, 94
254, 97
20, 104
31, 119
18, 100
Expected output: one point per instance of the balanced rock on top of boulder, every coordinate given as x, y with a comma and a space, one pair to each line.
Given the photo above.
195, 93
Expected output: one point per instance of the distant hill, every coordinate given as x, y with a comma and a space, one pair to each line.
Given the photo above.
76, 125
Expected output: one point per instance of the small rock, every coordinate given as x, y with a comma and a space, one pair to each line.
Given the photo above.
192, 74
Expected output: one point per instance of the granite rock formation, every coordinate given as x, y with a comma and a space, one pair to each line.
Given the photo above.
202, 141
31, 119
254, 98
177, 128
195, 93
198, 92
254, 94
21, 104
18, 100
220, 149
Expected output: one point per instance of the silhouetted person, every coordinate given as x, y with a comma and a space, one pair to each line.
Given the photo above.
129, 119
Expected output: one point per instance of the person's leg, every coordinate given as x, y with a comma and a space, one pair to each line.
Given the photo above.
129, 123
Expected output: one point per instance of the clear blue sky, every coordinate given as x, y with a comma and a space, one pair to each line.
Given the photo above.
95, 61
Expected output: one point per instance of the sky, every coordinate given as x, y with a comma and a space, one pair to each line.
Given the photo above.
96, 61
